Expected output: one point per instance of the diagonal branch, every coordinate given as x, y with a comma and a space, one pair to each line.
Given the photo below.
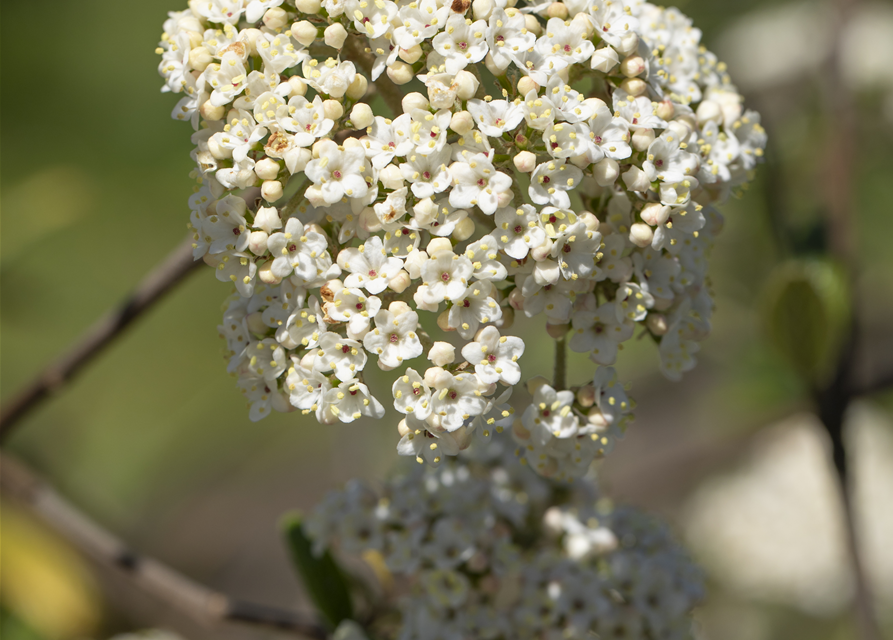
174, 589
160, 281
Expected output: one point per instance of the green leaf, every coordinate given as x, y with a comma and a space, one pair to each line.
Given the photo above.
321, 575
807, 315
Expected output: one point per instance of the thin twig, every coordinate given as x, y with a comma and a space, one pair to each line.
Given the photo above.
174, 589
153, 287
559, 378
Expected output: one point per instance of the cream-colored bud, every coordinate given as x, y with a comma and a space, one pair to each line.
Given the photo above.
296, 162
481, 9
586, 396
400, 73
271, 190
553, 521
275, 18
636, 180
217, 151
438, 245
464, 230
557, 331
516, 299
581, 160
267, 218
535, 383
369, 221
709, 111
665, 110
596, 418
582, 22
324, 147
304, 32
466, 85
525, 162
398, 308
265, 274
606, 172
335, 35
255, 322
442, 354
629, 42
414, 100
533, 25
588, 218
296, 86
361, 115
642, 139
391, 177
257, 242
357, 88
657, 323
402, 429
443, 321
200, 58
526, 84
557, 10
308, 359
504, 198
605, 59
632, 66
308, 6
655, 213
411, 55
542, 252
462, 122
211, 113
425, 211
332, 109
507, 319
267, 169
493, 67
641, 235
634, 86
399, 282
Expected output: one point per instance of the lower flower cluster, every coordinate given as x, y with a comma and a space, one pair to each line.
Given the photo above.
480, 547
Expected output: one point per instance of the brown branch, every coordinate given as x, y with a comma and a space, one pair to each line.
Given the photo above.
174, 589
154, 286
390, 92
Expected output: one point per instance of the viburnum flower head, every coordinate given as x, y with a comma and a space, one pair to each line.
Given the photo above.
564, 161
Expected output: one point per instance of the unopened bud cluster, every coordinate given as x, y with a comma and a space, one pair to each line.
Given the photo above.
559, 160
483, 548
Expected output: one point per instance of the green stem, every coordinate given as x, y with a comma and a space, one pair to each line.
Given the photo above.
559, 379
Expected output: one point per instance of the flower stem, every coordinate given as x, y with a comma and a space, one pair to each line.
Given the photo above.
559, 378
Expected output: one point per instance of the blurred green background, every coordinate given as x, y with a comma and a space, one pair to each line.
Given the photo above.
153, 440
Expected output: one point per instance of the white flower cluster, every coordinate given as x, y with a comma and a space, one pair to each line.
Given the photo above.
571, 175
477, 552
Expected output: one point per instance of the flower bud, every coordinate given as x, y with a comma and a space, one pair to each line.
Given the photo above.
415, 261
542, 252
411, 55
361, 115
641, 234
521, 141
297, 161
507, 319
586, 396
442, 354
504, 198
596, 418
533, 25
636, 180
553, 522
308, 359
332, 109
535, 383
271, 190
414, 100
466, 85
265, 274
642, 139
462, 122
606, 172
335, 35
369, 220
481, 9
492, 67
438, 245
218, 152
525, 162
297, 86
249, 37
275, 18
257, 242
557, 331
605, 59
656, 323
526, 85
464, 230
200, 58
400, 73
391, 177
255, 322
304, 32
400, 282
557, 10
634, 86
308, 6
267, 169
665, 110
582, 22
709, 111
398, 308
516, 299
402, 429
330, 288
211, 113
632, 66
628, 43
588, 218
519, 431
655, 213
267, 218
357, 88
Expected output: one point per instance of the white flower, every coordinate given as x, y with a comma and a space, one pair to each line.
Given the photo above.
227, 79
551, 181
495, 357
419, 21
600, 332
306, 389
357, 309
477, 183
346, 357
485, 259
550, 414
338, 173
332, 77
507, 35
576, 251
369, 266
474, 308
226, 229
563, 45
371, 17
266, 359
460, 43
495, 117
387, 139
456, 398
428, 131
412, 395
671, 163
394, 338
295, 251
565, 140
305, 119
279, 52
427, 174
446, 277
351, 400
